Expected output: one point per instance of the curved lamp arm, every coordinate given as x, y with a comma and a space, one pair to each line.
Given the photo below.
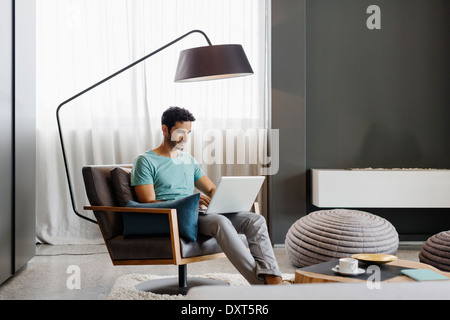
204, 63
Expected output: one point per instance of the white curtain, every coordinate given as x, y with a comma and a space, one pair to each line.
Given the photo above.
79, 42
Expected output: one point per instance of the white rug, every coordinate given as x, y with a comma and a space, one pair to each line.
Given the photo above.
124, 288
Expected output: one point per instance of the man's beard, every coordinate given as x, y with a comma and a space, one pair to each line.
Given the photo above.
177, 145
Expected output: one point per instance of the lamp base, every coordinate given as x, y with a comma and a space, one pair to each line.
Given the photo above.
171, 285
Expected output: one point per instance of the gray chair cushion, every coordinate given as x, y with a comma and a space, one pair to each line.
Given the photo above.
159, 247
120, 177
100, 192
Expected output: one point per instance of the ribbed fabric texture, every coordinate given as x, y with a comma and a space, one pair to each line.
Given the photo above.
329, 234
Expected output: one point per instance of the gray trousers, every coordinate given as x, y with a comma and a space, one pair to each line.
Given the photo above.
253, 264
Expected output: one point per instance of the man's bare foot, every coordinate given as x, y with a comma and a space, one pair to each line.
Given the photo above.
271, 279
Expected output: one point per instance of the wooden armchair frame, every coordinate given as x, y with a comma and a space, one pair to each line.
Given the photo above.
106, 194
174, 237
167, 285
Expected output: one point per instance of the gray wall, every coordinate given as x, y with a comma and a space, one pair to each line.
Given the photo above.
25, 133
374, 98
378, 97
17, 135
287, 196
6, 139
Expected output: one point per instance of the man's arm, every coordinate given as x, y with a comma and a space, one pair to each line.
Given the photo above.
205, 185
145, 193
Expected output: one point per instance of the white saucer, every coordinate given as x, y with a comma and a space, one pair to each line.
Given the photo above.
358, 271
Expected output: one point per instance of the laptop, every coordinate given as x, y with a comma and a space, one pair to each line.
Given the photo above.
234, 194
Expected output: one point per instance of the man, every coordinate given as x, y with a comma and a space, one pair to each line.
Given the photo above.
166, 173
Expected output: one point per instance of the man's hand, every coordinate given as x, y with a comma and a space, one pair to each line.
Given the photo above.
204, 201
205, 185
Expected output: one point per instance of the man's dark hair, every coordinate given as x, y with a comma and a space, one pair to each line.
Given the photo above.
174, 114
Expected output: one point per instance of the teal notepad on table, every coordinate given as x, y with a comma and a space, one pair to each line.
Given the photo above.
424, 274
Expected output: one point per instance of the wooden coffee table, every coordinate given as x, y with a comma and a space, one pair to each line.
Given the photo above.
302, 276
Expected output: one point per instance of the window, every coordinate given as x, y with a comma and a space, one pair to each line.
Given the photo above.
80, 42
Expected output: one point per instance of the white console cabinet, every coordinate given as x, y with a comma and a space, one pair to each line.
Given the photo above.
381, 188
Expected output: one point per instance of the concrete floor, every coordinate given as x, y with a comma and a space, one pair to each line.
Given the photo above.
47, 274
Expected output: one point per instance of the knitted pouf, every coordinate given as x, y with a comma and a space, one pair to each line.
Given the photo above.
330, 234
436, 251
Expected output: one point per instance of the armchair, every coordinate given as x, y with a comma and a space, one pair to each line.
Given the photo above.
108, 190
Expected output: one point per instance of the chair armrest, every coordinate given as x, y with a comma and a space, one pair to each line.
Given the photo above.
129, 209
173, 223
256, 208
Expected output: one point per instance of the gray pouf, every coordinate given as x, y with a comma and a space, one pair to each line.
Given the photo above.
436, 251
329, 234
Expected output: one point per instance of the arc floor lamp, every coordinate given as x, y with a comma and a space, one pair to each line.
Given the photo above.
196, 64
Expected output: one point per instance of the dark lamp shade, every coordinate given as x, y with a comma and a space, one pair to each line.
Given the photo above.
212, 62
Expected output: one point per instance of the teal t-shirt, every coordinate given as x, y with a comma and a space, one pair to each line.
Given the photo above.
172, 178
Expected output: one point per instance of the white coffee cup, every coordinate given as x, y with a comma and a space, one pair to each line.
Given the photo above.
348, 265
